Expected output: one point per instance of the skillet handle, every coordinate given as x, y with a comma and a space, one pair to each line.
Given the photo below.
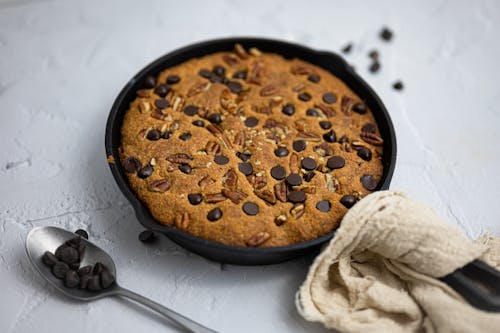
478, 283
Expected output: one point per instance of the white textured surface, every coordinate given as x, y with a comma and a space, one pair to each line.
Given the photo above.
63, 62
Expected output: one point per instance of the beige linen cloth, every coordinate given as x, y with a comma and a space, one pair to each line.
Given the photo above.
378, 274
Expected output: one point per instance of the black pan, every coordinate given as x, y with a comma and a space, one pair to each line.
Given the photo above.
217, 251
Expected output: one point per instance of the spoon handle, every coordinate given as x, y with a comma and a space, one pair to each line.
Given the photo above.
179, 319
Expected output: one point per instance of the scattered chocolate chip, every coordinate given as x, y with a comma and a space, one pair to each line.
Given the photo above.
398, 85
190, 110
251, 122
315, 78
185, 168
373, 54
296, 196
312, 113
131, 165
347, 49
219, 70
359, 108
205, 73
281, 152
84, 270
98, 268
309, 176
162, 90
374, 67
107, 279
330, 136
242, 156
245, 168
329, 98
348, 200
369, 127
149, 82
167, 135
324, 206
71, 280
195, 198
250, 208
308, 163
241, 75
185, 136
325, 124
214, 214
153, 135
278, 172
304, 96
369, 182
84, 280
221, 159
162, 103
335, 162
299, 145
67, 254
198, 123
214, 118
288, 109
386, 34
294, 179
60, 269
147, 236
82, 233
49, 259
94, 284
365, 153
173, 79
235, 87
145, 172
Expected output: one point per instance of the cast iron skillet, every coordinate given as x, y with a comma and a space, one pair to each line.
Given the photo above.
217, 251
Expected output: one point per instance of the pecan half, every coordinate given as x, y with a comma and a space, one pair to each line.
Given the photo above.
159, 185
299, 87
372, 138
257, 71
280, 191
346, 105
301, 70
205, 181
213, 148
218, 132
266, 195
180, 158
157, 114
239, 139
182, 221
240, 51
230, 59
269, 90
258, 239
214, 197
294, 163
297, 210
235, 196
327, 110
198, 88
260, 181
308, 136
280, 219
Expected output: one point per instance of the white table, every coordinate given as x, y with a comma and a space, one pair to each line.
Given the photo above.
63, 62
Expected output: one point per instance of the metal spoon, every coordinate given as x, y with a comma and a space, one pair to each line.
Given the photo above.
43, 239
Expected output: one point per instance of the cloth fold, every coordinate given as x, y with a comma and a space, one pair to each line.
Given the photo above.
379, 273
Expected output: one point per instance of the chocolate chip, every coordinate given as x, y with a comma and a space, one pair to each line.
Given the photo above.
299, 145
348, 200
214, 118
278, 172
359, 108
185, 136
386, 34
67, 254
94, 284
251, 122
343, 139
335, 162
195, 198
131, 165
324, 206
49, 259
149, 82
162, 90
308, 163
296, 196
325, 124
82, 233
330, 136
167, 135
281, 152
398, 85
294, 179
84, 270
198, 123
185, 168
309, 176
288, 109
346, 49
71, 280
369, 128
312, 113
365, 153
173, 79
214, 214
245, 168
145, 172
369, 182
242, 156
147, 236
241, 75
373, 54
190, 110
204, 73
374, 67
250, 208
304, 96
98, 268
214, 78
162, 103
315, 78
235, 87
153, 135
60, 269
221, 160
329, 98
219, 70
107, 279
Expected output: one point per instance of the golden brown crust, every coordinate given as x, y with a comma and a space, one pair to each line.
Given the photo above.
271, 82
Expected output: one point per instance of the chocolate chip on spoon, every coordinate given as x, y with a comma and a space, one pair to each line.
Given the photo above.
94, 284
71, 280
107, 279
60, 269
67, 254
84, 270
82, 233
49, 259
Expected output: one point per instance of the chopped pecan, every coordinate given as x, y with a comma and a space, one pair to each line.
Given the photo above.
198, 88
346, 105
281, 191
300, 125
258, 239
182, 221
172, 167
177, 104
159, 185
275, 101
226, 101
346, 146
235, 196
280, 219
242, 96
294, 163
266, 195
157, 114
308, 136
331, 183
144, 107
323, 149
327, 110
230, 179
203, 111
301, 70
240, 51
262, 109
180, 158
231, 60
356, 145
214, 197
298, 87
372, 138
297, 210
218, 132
239, 139
143, 93
307, 189
260, 181
205, 181
269, 90
255, 52
213, 148
256, 72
